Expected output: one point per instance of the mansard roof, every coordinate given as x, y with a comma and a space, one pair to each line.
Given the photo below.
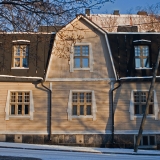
122, 48
39, 54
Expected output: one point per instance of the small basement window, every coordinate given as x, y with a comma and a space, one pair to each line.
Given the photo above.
147, 141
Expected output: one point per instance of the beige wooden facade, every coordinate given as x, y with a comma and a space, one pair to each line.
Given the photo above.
122, 99
20, 124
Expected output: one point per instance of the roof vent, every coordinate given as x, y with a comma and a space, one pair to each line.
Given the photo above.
116, 12
127, 29
144, 13
87, 12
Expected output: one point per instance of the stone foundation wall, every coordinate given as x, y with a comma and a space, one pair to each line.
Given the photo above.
87, 140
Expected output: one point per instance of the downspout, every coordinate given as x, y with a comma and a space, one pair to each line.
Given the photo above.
50, 110
112, 89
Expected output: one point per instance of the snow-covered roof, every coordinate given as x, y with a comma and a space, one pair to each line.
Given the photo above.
110, 22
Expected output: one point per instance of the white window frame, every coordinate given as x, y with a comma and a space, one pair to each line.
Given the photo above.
141, 57
90, 68
7, 108
146, 146
131, 107
20, 56
94, 107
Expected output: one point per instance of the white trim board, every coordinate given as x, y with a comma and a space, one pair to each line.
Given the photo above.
136, 132
24, 132
79, 79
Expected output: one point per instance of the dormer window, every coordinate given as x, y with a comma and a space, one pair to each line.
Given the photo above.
142, 56
81, 56
20, 56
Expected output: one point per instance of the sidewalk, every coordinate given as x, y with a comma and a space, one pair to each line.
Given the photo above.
78, 149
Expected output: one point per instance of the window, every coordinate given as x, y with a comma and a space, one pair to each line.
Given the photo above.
146, 141
140, 99
138, 104
142, 56
20, 56
81, 57
82, 104
19, 104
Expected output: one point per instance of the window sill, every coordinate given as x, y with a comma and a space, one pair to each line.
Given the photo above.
81, 68
148, 116
148, 146
143, 68
27, 117
82, 116
19, 68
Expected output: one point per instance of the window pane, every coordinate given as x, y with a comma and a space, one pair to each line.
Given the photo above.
12, 109
88, 112
145, 62
143, 109
145, 50
74, 97
145, 140
74, 110
77, 62
77, 51
136, 97
19, 109
152, 140
137, 62
17, 62
81, 109
25, 62
81, 97
26, 111
26, 98
13, 97
25, 51
143, 96
137, 50
89, 97
85, 50
19, 96
136, 109
140, 140
150, 109
85, 62
17, 53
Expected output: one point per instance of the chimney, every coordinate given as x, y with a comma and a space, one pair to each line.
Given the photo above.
87, 12
116, 12
144, 13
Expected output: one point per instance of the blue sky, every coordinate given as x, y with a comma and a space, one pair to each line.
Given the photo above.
124, 6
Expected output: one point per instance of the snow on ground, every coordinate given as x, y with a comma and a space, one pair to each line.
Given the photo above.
49, 152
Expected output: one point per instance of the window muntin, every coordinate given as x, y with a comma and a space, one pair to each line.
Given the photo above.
147, 140
19, 103
81, 56
140, 98
20, 56
142, 56
81, 103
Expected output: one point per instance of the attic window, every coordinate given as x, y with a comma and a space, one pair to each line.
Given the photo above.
142, 56
20, 56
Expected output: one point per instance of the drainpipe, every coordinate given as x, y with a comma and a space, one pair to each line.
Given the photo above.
50, 109
112, 89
